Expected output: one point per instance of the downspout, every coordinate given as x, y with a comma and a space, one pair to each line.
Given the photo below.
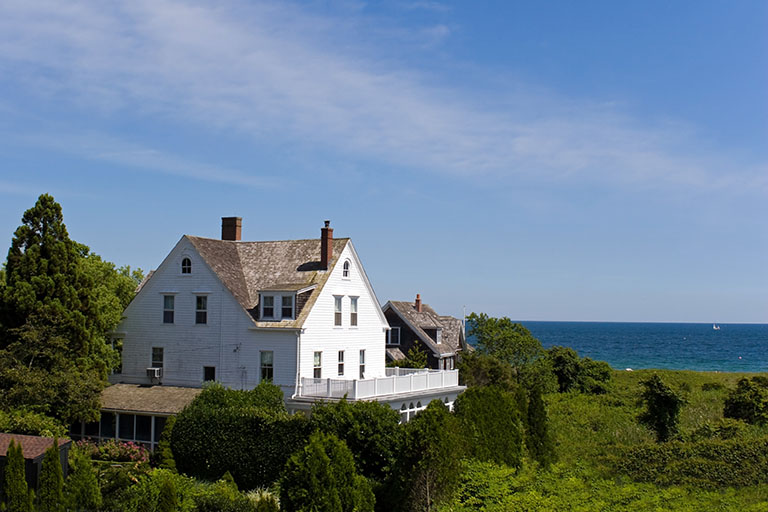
298, 364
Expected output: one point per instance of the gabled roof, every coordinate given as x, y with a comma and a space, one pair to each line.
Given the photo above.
452, 335
245, 268
31, 446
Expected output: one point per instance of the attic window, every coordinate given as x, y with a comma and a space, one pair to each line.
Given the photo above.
345, 271
186, 266
268, 306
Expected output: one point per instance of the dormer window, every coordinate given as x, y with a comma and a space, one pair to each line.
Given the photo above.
186, 266
268, 306
287, 306
345, 270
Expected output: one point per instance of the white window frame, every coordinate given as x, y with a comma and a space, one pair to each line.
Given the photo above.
263, 300
389, 336
361, 364
317, 364
283, 306
338, 308
353, 304
345, 269
170, 310
266, 367
341, 363
198, 310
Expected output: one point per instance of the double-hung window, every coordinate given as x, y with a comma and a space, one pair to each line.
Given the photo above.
201, 309
268, 308
157, 357
168, 301
341, 363
362, 364
267, 365
337, 309
318, 366
287, 306
393, 336
353, 311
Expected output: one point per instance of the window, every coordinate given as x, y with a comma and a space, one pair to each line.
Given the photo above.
167, 309
337, 310
287, 309
318, 366
186, 266
267, 365
143, 428
108, 424
362, 364
393, 336
341, 363
201, 310
159, 426
125, 426
209, 373
157, 357
353, 311
345, 271
268, 308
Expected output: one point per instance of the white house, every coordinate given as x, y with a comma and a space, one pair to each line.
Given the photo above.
301, 313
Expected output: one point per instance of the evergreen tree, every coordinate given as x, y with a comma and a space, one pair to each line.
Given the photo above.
82, 488
51, 492
56, 308
322, 476
17, 493
541, 446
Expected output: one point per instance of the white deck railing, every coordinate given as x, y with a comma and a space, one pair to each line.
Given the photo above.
397, 381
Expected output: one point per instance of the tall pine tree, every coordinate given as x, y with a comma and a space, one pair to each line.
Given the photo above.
541, 446
17, 493
56, 308
51, 491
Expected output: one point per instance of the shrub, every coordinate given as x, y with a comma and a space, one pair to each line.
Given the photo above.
748, 402
538, 438
371, 430
51, 491
322, 476
22, 421
477, 369
491, 425
726, 428
594, 376
252, 442
578, 374
662, 408
17, 493
82, 488
712, 386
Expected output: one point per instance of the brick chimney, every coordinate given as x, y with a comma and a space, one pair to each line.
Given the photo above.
230, 228
326, 245
418, 302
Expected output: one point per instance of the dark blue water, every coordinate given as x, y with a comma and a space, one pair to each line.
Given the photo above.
734, 348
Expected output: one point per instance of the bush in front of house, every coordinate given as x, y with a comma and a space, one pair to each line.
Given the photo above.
242, 432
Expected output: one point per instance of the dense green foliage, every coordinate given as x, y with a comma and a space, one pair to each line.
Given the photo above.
50, 497
16, 490
578, 374
662, 408
81, 490
56, 309
322, 476
538, 437
491, 425
369, 429
415, 358
21, 421
748, 402
244, 432
504, 340
477, 369
429, 466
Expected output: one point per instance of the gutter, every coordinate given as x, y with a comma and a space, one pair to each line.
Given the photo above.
298, 364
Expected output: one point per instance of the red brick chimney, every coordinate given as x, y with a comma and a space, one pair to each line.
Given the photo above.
230, 228
418, 302
326, 245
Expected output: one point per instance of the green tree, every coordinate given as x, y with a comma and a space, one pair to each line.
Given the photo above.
16, 489
491, 425
51, 490
662, 408
371, 430
415, 358
505, 340
57, 306
748, 402
81, 490
322, 476
538, 438
566, 367
168, 501
477, 369
429, 465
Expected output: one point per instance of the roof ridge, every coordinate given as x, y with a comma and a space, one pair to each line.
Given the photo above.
263, 241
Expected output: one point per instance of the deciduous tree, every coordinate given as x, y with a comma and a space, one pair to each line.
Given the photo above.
662, 408
505, 340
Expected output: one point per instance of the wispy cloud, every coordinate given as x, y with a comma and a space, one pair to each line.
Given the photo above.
271, 70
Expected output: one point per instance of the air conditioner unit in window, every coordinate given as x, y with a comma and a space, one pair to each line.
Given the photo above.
154, 373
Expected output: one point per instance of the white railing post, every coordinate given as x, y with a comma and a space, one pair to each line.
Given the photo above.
328, 389
442, 379
354, 389
410, 382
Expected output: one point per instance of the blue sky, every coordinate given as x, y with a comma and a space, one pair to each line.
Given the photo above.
542, 161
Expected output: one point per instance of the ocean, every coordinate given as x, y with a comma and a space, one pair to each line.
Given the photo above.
732, 348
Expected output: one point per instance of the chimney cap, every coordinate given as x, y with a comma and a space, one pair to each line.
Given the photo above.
327, 223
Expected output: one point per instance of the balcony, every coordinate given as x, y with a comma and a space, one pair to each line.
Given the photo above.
397, 381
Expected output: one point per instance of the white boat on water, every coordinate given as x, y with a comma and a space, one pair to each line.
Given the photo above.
715, 327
